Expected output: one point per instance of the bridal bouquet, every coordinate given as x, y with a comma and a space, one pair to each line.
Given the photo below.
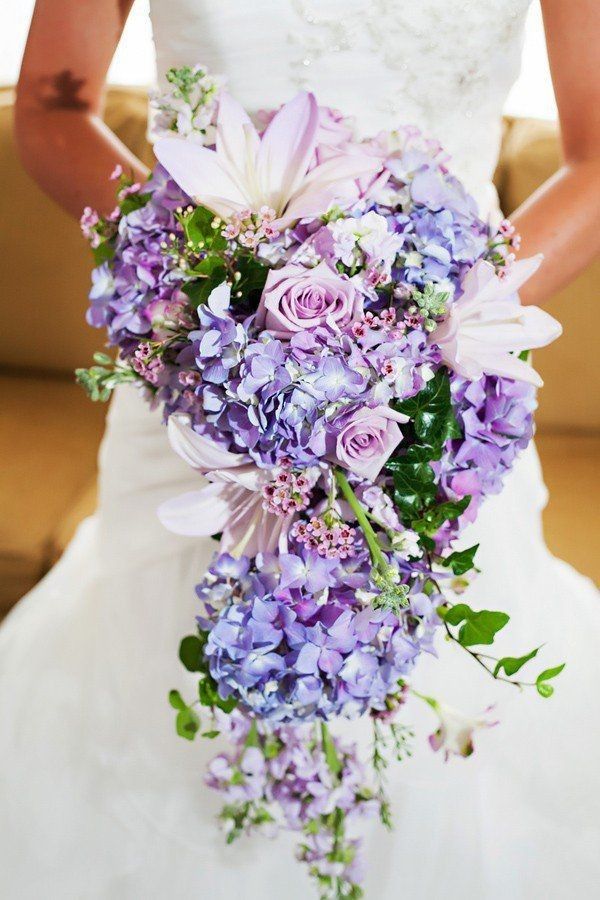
337, 344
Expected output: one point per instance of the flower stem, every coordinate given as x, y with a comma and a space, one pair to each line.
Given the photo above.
377, 557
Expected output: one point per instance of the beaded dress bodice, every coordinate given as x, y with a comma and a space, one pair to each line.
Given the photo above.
444, 65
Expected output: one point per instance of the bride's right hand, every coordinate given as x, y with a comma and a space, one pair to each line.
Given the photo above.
63, 142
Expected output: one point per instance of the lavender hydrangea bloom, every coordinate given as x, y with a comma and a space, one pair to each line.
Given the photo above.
285, 656
496, 417
141, 271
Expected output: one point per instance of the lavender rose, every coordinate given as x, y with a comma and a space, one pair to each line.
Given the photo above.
366, 438
296, 298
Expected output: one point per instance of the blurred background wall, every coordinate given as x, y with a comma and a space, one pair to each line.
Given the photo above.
49, 430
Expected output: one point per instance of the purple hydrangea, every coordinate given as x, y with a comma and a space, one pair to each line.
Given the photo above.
496, 417
290, 640
142, 274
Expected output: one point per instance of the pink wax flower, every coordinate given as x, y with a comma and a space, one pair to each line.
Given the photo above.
367, 439
296, 298
88, 221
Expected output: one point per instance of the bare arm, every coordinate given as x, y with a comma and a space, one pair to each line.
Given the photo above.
62, 140
562, 218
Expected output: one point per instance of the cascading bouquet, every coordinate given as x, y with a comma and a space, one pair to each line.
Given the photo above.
337, 344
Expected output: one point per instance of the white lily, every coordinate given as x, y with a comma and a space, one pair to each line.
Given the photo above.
486, 328
249, 171
232, 501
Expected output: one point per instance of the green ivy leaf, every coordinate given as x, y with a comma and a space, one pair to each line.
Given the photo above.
191, 653
544, 689
208, 695
478, 627
176, 700
187, 723
547, 674
414, 480
434, 518
461, 561
512, 664
431, 411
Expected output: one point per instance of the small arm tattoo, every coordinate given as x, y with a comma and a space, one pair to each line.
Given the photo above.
62, 91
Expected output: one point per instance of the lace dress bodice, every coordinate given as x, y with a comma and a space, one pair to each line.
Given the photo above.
444, 65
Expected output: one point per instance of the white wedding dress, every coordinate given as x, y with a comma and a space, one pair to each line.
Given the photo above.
98, 797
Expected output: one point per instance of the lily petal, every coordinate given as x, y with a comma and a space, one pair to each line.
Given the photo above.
199, 513
200, 174
197, 451
332, 181
287, 147
234, 131
486, 325
520, 272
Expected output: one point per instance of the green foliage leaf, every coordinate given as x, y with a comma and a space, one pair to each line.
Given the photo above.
208, 695
209, 265
132, 202
187, 723
431, 411
103, 252
478, 627
544, 689
331, 756
191, 653
272, 746
176, 700
103, 359
252, 737
461, 561
197, 291
200, 290
547, 674
252, 276
435, 517
99, 381
512, 664
198, 226
211, 735
414, 481
432, 424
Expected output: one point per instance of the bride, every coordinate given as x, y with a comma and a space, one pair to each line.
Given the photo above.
98, 797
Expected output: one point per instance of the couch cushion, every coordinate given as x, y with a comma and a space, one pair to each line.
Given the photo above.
46, 264
49, 436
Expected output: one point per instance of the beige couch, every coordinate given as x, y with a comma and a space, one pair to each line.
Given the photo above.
49, 431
